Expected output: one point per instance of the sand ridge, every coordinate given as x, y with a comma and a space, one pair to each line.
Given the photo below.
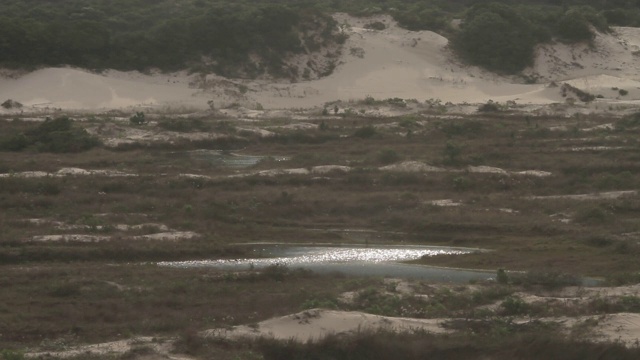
389, 63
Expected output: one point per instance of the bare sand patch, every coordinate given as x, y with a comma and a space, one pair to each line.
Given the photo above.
411, 166
168, 236
70, 238
161, 347
487, 170
276, 172
69, 89
622, 327
535, 173
195, 176
593, 196
324, 169
445, 203
67, 172
316, 324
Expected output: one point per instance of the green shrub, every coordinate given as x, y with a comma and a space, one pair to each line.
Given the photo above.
397, 102
421, 16
11, 355
582, 95
514, 305
11, 104
65, 289
461, 183
545, 279
629, 121
53, 135
470, 129
502, 277
184, 125
138, 119
594, 215
490, 106
451, 153
320, 303
365, 132
496, 37
376, 25
388, 156
574, 27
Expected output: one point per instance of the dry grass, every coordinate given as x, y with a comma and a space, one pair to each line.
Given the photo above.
54, 290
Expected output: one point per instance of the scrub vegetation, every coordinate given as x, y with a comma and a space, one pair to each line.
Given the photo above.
547, 229
253, 38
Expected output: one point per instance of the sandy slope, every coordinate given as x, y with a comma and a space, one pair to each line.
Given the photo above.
316, 324
383, 64
398, 63
76, 89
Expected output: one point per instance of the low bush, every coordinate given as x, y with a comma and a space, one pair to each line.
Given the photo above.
53, 135
376, 25
11, 104
184, 125
365, 132
388, 156
514, 305
138, 119
536, 340
490, 106
628, 122
582, 95
548, 280
11, 355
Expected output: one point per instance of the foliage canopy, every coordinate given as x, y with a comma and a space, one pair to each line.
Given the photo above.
227, 37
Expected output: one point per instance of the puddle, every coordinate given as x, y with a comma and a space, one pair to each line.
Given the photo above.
350, 260
228, 159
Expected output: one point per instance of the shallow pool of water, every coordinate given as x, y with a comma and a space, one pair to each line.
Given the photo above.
227, 159
350, 260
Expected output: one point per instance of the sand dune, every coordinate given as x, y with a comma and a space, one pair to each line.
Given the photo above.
68, 88
383, 64
316, 324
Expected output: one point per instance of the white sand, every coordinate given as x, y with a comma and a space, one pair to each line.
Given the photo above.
382, 64
115, 349
593, 196
169, 236
411, 166
68, 88
318, 323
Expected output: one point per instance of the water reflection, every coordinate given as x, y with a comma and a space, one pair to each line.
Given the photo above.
301, 255
228, 159
352, 260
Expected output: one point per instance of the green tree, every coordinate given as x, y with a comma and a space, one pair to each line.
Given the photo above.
574, 27
496, 37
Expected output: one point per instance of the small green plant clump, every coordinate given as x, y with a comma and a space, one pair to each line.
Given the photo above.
388, 156
183, 125
490, 106
582, 95
138, 119
365, 132
376, 25
11, 104
11, 355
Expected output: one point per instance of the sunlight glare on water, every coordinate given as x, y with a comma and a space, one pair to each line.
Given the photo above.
302, 255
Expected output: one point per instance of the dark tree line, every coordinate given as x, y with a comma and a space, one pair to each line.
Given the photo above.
164, 34
224, 36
